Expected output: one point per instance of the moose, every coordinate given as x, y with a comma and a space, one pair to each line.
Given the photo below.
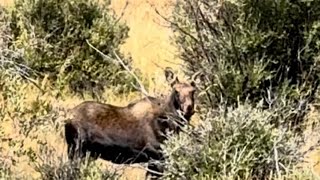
133, 133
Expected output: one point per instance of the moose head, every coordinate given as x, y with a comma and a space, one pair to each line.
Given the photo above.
182, 96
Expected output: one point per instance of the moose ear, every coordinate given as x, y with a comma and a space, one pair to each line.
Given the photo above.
170, 76
197, 78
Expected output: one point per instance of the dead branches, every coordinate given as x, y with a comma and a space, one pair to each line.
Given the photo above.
141, 88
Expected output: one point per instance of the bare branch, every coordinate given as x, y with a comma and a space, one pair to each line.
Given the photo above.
101, 53
176, 26
141, 88
122, 12
276, 158
8, 63
206, 20
33, 82
198, 29
149, 170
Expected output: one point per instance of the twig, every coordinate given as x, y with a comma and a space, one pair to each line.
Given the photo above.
156, 64
176, 26
101, 53
311, 148
149, 170
198, 29
18, 69
276, 158
33, 82
122, 12
141, 89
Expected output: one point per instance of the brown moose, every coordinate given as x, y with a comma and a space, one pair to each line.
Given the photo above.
130, 134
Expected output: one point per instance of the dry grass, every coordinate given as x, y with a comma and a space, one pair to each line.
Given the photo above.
149, 38
6, 2
312, 137
148, 43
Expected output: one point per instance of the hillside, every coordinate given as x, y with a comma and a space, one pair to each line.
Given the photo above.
151, 49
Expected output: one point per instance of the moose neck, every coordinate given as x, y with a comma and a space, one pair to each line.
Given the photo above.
173, 120
172, 103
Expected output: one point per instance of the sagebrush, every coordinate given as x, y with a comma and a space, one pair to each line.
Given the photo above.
54, 35
251, 50
236, 143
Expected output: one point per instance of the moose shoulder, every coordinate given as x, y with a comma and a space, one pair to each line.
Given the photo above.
133, 133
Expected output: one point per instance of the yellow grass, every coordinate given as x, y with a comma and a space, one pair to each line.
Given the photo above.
149, 40
6, 2
148, 44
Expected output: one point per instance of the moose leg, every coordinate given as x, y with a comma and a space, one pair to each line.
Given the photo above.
155, 166
70, 135
155, 170
71, 151
75, 139
75, 149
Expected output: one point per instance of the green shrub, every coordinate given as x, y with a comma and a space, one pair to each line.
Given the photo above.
5, 171
78, 170
11, 97
236, 143
11, 60
251, 50
53, 34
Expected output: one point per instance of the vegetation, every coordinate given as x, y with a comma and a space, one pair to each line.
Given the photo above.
54, 35
260, 74
59, 169
238, 143
260, 65
251, 50
44, 55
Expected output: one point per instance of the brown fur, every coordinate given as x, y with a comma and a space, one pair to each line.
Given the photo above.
132, 133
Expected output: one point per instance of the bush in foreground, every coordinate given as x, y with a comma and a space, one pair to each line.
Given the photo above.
77, 170
237, 143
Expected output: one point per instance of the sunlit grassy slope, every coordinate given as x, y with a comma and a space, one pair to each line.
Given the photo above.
150, 47
6, 2
149, 37
148, 41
